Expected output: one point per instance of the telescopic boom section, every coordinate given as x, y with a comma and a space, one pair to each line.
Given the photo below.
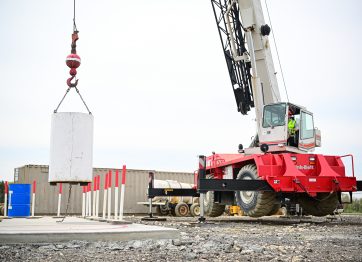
244, 37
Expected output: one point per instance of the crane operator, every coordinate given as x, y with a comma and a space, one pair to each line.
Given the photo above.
292, 130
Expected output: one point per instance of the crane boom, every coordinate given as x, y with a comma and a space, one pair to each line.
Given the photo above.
239, 71
244, 37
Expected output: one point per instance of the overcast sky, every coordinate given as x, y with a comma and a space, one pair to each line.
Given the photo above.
155, 79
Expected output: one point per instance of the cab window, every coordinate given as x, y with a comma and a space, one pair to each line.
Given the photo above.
274, 115
307, 127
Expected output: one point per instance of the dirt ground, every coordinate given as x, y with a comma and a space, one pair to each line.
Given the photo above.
222, 239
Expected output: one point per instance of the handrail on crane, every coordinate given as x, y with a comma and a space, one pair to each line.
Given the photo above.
349, 155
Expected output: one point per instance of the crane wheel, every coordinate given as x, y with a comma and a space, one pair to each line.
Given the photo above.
212, 209
182, 209
255, 203
322, 205
195, 210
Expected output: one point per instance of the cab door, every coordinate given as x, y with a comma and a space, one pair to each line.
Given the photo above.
306, 131
274, 128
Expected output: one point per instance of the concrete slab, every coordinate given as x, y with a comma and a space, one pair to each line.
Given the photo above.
47, 229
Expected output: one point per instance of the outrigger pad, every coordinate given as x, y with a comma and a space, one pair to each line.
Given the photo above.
153, 219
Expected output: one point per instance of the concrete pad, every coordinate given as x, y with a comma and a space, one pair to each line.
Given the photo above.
46, 229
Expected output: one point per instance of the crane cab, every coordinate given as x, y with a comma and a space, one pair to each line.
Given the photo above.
288, 126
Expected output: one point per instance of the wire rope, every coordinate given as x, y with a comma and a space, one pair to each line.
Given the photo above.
277, 52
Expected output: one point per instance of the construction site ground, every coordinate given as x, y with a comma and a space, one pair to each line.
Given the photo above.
220, 239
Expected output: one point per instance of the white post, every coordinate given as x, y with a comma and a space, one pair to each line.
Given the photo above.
33, 202
116, 203
59, 198
123, 188
97, 196
6, 205
90, 200
109, 194
83, 202
105, 192
86, 201
59, 201
116, 195
33, 205
6, 199
94, 197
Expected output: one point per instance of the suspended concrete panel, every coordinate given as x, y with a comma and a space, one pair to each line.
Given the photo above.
71, 147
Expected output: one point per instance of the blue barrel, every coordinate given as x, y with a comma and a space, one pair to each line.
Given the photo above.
19, 200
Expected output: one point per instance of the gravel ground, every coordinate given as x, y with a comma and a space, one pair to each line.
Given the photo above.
225, 239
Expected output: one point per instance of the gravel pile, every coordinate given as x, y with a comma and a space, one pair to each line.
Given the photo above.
226, 239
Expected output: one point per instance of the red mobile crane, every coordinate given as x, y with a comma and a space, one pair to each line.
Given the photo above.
279, 167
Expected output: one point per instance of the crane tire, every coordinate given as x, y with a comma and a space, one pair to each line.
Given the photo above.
182, 209
254, 203
275, 209
322, 205
195, 210
212, 209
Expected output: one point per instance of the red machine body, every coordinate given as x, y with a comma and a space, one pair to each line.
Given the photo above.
73, 62
288, 172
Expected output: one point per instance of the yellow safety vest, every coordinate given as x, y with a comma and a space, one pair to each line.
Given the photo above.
291, 126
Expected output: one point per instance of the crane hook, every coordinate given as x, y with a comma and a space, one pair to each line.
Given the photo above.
70, 84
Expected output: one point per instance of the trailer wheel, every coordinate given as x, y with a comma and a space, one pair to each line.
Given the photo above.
182, 209
212, 209
254, 203
322, 205
195, 210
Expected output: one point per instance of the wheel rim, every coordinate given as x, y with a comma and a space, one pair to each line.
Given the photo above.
247, 196
197, 210
183, 210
